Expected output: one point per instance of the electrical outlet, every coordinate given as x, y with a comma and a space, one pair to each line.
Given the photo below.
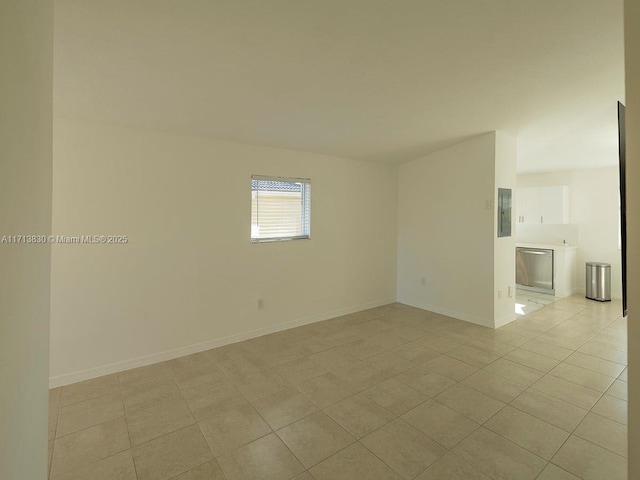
423, 281
259, 303
499, 294
510, 291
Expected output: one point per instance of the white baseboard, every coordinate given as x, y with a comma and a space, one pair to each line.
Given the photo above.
90, 373
583, 292
450, 313
501, 322
566, 293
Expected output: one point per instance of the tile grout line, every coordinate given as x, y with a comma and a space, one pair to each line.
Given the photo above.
530, 386
126, 421
197, 422
55, 433
572, 432
544, 373
356, 440
482, 425
199, 430
456, 337
266, 423
92, 426
589, 441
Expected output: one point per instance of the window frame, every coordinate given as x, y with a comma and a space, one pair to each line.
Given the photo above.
306, 208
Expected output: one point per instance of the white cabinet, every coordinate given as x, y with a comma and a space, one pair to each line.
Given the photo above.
542, 205
527, 205
554, 204
564, 271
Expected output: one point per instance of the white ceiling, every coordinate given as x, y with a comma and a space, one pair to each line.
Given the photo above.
381, 80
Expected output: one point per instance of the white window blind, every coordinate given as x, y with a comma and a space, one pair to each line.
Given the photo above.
280, 208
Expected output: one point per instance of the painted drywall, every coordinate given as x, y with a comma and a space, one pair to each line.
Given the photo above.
446, 231
26, 54
632, 64
549, 233
504, 247
189, 278
594, 208
377, 79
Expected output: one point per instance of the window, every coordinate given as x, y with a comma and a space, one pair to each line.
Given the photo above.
280, 208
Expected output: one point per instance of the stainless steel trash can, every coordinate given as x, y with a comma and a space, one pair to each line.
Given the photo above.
599, 281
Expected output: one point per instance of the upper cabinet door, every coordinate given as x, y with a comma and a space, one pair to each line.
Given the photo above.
528, 201
554, 204
542, 205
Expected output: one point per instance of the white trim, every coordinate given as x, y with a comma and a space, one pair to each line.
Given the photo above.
450, 313
305, 219
89, 373
583, 292
271, 178
575, 291
505, 320
279, 239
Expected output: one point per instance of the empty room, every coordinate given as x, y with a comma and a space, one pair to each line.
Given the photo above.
319, 240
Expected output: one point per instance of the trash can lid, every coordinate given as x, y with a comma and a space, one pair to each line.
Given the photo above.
598, 264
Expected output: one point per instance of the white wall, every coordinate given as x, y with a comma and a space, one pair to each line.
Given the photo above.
504, 247
446, 231
26, 54
189, 277
632, 66
594, 208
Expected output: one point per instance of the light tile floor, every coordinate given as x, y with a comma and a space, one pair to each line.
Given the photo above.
528, 301
390, 393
